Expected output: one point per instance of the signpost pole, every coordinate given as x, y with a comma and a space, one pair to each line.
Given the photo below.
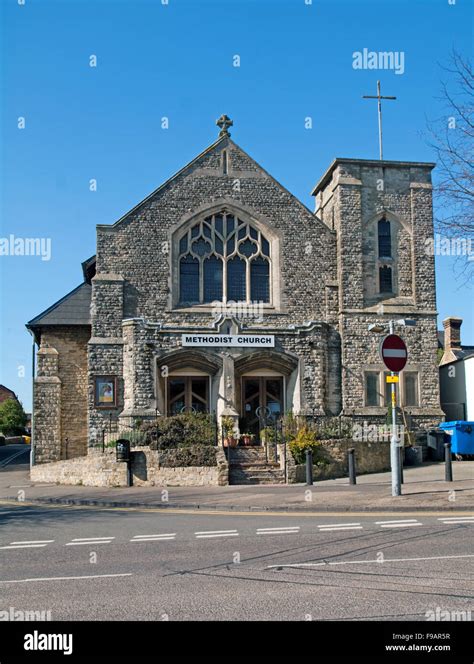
394, 447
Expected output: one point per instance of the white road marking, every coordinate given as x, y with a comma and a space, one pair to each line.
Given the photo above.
292, 530
152, 539
23, 546
377, 562
20, 486
213, 532
457, 521
296, 565
66, 578
324, 530
208, 534
91, 539
447, 519
137, 537
33, 542
338, 525
270, 530
400, 525
396, 521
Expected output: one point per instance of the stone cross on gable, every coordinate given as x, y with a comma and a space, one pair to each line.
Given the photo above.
224, 122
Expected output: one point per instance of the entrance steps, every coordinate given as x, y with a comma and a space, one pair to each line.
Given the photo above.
248, 466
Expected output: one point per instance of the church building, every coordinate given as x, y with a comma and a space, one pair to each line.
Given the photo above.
221, 292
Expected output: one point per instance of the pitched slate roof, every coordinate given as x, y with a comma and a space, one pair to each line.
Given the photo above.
72, 309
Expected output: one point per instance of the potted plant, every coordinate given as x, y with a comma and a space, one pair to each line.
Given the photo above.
228, 431
247, 438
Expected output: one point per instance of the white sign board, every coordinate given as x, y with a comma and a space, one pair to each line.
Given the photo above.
228, 340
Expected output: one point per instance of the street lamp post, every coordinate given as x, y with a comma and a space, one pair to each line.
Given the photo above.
395, 460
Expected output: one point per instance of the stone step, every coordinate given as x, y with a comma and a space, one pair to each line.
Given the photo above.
257, 479
261, 476
254, 465
247, 451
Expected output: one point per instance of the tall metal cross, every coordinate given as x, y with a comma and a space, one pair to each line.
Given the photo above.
379, 97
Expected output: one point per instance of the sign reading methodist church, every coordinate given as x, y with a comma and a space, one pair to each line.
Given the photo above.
228, 340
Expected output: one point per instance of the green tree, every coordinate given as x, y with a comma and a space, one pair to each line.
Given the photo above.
12, 417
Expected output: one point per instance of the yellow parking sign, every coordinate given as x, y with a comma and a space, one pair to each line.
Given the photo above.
392, 379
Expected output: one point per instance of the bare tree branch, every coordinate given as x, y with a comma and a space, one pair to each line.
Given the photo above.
451, 138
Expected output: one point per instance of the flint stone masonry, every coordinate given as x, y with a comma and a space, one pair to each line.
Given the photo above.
369, 457
324, 293
102, 469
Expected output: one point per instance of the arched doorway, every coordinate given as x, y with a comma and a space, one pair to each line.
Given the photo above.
261, 379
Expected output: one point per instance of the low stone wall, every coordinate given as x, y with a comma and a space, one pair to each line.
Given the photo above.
369, 458
101, 469
95, 469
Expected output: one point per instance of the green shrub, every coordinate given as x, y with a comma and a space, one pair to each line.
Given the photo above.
268, 434
305, 439
179, 431
194, 455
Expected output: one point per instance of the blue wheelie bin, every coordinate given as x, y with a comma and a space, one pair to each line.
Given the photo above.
462, 436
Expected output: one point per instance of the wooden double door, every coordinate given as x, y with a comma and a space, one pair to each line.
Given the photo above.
264, 392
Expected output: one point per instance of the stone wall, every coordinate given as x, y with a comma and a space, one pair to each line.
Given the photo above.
139, 246
102, 469
47, 406
352, 199
71, 346
369, 458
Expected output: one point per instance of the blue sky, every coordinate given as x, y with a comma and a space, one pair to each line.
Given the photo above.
176, 60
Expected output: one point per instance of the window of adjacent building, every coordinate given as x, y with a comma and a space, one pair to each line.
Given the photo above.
372, 397
410, 388
385, 279
223, 258
385, 239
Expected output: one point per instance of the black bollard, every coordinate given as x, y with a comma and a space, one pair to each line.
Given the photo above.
448, 463
309, 467
352, 467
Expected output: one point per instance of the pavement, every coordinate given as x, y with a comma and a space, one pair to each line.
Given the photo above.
424, 489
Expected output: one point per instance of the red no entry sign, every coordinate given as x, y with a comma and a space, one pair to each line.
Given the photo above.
394, 352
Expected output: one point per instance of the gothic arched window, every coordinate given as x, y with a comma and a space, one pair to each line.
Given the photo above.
385, 239
223, 258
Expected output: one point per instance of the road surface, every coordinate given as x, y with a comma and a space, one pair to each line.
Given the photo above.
114, 564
